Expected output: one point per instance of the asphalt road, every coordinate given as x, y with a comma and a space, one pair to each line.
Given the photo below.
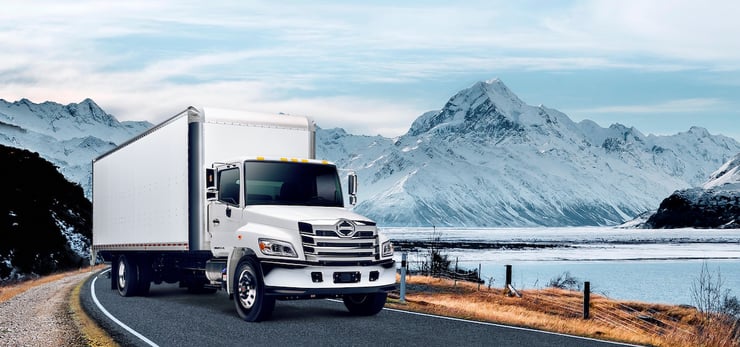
170, 316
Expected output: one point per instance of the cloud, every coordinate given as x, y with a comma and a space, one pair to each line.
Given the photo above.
691, 105
144, 60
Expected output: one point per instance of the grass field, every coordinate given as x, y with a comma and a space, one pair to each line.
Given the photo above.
561, 311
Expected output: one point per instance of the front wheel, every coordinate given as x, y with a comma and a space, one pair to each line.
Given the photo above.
250, 300
365, 304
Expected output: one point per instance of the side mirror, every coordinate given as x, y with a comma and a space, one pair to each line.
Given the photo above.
352, 187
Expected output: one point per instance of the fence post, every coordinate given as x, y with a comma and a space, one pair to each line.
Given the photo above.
508, 276
586, 299
455, 274
480, 278
402, 299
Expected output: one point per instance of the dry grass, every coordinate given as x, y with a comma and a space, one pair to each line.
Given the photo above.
562, 311
8, 291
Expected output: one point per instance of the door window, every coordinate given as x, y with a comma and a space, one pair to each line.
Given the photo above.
228, 186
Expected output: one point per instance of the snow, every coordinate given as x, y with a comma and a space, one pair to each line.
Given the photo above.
77, 242
582, 243
726, 177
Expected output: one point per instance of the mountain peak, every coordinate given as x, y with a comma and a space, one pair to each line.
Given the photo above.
89, 109
485, 101
497, 87
491, 111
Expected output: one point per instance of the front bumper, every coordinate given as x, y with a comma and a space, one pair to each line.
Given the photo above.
300, 281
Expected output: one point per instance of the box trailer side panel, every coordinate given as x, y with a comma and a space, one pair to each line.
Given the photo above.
140, 191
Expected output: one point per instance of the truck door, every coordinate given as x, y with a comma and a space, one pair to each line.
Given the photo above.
225, 213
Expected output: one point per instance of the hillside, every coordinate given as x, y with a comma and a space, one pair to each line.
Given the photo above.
69, 136
45, 221
716, 204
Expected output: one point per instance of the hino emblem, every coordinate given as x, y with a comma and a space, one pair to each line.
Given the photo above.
346, 228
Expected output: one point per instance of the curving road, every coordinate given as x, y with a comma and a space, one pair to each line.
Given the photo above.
170, 316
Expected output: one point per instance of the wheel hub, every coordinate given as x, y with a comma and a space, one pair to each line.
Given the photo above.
122, 275
247, 290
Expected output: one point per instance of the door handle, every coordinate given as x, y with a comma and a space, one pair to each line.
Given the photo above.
216, 221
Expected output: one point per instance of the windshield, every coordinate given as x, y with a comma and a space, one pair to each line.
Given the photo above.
290, 183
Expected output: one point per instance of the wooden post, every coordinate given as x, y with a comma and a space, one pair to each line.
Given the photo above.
402, 298
455, 274
586, 299
508, 276
480, 278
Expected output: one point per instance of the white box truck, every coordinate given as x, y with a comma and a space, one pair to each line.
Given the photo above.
235, 200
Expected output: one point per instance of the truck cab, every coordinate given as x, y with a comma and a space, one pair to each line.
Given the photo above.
280, 230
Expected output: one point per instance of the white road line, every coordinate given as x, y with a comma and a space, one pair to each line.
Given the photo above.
114, 319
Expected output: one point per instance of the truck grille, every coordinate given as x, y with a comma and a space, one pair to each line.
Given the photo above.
342, 243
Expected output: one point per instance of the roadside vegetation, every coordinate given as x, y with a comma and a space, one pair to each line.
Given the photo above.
561, 310
438, 288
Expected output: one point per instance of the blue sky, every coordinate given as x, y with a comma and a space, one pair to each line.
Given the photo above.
373, 67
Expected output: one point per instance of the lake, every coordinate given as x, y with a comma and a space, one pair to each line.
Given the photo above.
657, 266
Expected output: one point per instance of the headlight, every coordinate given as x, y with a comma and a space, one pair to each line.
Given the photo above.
387, 249
277, 248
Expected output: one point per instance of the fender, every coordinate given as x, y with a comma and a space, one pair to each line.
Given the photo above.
231, 263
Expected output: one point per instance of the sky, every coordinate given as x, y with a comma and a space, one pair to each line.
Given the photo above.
372, 67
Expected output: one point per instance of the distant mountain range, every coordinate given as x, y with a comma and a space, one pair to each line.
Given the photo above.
488, 159
484, 159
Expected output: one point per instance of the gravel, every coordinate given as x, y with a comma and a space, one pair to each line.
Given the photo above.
40, 316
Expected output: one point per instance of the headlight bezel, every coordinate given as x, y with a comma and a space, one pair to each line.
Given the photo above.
386, 249
277, 248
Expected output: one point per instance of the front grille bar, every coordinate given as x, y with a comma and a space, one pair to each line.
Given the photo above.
322, 244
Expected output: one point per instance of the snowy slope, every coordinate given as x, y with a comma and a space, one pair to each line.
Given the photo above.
488, 159
726, 177
69, 136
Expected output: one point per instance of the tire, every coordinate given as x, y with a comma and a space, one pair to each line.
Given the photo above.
250, 300
144, 268
127, 277
365, 304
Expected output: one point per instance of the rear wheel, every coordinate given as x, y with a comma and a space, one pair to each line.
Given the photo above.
144, 268
250, 300
365, 304
127, 279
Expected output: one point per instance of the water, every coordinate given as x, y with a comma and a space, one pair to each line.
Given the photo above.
657, 266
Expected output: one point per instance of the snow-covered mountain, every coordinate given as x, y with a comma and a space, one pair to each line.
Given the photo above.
716, 204
69, 136
488, 159
484, 159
